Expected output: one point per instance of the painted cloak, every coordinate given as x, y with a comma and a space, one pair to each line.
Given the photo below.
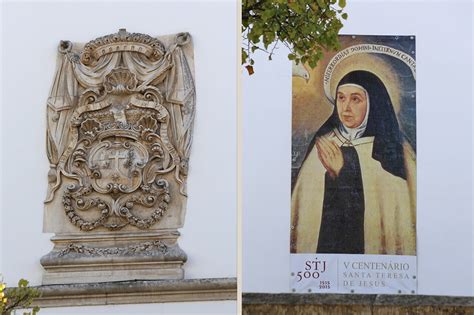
389, 222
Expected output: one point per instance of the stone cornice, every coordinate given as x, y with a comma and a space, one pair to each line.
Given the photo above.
136, 292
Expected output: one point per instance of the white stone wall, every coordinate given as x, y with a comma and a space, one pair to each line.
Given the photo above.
444, 38
31, 33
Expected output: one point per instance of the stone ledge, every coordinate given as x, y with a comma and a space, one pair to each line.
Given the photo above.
356, 299
296, 304
137, 291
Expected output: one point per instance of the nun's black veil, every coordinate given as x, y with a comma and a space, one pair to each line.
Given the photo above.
382, 123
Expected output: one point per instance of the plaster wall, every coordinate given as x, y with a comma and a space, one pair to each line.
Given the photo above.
30, 35
444, 38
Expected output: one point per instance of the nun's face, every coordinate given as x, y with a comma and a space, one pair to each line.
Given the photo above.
351, 103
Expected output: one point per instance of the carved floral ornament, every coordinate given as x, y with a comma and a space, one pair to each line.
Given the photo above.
146, 248
120, 117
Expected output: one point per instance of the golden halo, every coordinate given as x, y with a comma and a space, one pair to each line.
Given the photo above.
374, 64
310, 106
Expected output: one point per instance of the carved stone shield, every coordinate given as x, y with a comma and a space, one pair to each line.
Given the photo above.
120, 116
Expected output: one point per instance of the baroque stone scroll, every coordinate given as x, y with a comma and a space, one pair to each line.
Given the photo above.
119, 131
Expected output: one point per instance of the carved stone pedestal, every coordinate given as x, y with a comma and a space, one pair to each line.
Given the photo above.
120, 117
123, 256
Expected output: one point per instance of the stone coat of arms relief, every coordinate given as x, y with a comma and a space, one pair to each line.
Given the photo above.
119, 131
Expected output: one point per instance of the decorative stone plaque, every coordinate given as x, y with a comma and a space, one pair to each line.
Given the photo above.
119, 131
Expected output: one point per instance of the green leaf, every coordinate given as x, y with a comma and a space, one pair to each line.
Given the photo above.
344, 16
23, 283
297, 8
321, 3
292, 33
291, 56
276, 27
268, 14
244, 56
342, 3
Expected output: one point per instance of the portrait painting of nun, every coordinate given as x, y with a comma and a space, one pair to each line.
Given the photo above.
351, 194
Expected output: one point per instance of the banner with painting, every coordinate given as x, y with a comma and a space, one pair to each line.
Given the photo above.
353, 200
